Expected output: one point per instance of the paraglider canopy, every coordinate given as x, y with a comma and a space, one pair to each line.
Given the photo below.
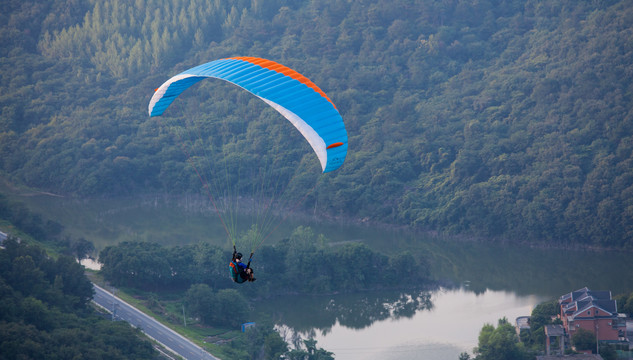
293, 95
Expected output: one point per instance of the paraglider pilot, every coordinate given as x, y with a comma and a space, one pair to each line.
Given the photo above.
239, 271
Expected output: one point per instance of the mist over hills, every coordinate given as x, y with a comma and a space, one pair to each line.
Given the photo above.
504, 120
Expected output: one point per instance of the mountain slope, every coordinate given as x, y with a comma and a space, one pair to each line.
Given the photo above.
508, 120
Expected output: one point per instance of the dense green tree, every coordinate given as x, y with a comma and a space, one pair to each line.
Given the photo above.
583, 340
542, 314
200, 300
227, 307
625, 303
500, 343
302, 263
274, 346
141, 264
608, 352
231, 308
72, 282
628, 306
311, 352
82, 248
43, 312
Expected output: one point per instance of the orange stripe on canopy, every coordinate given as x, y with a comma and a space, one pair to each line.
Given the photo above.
271, 65
336, 144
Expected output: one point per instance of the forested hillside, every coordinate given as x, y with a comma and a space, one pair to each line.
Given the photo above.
497, 119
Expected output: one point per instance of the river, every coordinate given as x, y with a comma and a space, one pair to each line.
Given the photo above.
481, 283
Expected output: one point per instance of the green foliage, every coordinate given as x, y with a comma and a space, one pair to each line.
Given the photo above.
226, 308
534, 339
48, 232
302, 263
29, 222
503, 120
307, 266
125, 39
274, 346
82, 248
311, 352
608, 352
542, 314
136, 264
263, 342
44, 312
583, 340
61, 282
500, 343
625, 304
148, 265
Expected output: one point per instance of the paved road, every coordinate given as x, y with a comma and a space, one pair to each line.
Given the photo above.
164, 335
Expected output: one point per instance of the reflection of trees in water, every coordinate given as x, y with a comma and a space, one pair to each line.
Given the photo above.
526, 270
357, 311
358, 314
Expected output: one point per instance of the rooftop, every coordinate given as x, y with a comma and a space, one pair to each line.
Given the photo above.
554, 330
578, 302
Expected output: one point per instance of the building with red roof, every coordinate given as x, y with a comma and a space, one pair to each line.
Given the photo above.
594, 311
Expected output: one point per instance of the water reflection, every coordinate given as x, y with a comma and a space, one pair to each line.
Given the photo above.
308, 314
526, 271
438, 324
361, 313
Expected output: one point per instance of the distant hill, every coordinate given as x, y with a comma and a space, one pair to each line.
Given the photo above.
506, 120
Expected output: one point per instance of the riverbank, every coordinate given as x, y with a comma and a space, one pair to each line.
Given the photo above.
108, 220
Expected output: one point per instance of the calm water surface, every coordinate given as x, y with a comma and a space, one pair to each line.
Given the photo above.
445, 323
449, 328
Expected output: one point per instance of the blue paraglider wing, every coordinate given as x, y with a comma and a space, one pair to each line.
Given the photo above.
293, 95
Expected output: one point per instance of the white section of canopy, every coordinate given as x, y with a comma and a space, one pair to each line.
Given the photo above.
158, 94
306, 130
